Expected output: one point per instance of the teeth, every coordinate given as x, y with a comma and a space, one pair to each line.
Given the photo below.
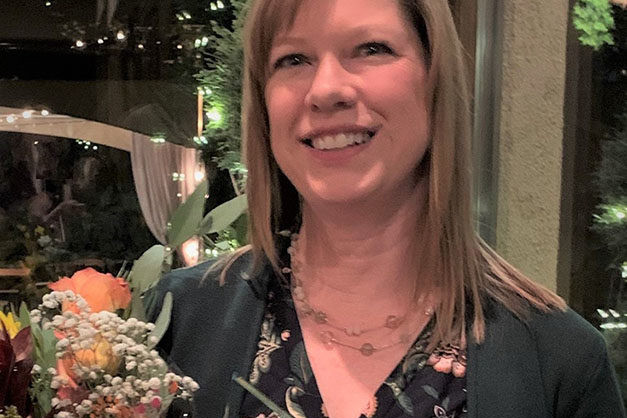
340, 141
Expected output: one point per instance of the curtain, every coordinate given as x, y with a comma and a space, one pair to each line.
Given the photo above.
165, 174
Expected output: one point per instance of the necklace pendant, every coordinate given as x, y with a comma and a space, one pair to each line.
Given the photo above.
393, 322
298, 293
353, 331
367, 349
327, 339
320, 317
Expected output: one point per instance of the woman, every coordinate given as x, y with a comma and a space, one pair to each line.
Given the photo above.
366, 291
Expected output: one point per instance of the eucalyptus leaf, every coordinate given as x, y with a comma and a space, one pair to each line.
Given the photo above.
187, 217
137, 309
147, 269
163, 321
224, 215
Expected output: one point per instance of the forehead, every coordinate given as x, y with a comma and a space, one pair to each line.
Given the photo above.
300, 19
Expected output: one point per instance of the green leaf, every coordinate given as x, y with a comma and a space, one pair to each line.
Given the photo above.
24, 315
147, 269
163, 321
224, 215
187, 217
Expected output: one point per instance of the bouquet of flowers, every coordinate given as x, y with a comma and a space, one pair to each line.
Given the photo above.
78, 358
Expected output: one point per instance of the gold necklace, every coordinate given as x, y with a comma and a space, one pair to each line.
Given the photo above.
320, 317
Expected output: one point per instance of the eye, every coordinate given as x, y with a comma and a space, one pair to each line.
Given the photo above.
375, 48
291, 60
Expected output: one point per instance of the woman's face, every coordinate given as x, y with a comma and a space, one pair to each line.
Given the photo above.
346, 100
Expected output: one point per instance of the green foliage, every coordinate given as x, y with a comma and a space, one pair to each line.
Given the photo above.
611, 180
10, 412
223, 79
187, 217
594, 21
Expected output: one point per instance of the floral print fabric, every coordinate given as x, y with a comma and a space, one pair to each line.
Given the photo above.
415, 388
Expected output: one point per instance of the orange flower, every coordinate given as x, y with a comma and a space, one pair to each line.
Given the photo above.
102, 292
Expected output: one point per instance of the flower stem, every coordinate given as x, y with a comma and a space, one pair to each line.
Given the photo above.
259, 395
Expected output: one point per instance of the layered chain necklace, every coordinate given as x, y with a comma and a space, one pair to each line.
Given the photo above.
327, 337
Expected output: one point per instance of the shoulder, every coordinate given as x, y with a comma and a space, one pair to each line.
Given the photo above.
202, 282
566, 353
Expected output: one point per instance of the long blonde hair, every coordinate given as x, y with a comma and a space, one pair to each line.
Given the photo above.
466, 268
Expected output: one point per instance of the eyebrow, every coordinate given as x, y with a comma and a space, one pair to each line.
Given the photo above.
364, 30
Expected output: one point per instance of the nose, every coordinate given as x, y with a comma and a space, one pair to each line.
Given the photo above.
331, 88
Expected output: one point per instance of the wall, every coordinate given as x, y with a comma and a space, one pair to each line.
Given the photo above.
530, 137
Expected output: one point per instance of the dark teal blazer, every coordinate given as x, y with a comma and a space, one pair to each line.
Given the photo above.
554, 365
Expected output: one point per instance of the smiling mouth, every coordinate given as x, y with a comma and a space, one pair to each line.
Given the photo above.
340, 141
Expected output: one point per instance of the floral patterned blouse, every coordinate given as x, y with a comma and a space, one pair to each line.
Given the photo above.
282, 372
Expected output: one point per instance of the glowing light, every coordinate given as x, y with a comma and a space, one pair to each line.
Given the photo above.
207, 196
100, 41
199, 176
140, 46
79, 43
220, 4
48, 4
36, 142
614, 313
197, 43
187, 15
204, 41
179, 195
624, 270
214, 115
190, 250
27, 114
602, 313
11, 118
157, 139
213, 6
120, 35
44, 112
614, 325
95, 147
180, 17
179, 46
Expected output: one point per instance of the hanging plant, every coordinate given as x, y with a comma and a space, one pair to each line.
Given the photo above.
594, 21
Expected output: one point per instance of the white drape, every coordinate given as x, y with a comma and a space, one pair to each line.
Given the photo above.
159, 190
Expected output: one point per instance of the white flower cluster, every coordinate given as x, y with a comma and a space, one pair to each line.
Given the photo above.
106, 358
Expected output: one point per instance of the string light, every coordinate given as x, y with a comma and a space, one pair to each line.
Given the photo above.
214, 115
157, 139
11, 119
179, 46
204, 41
48, 4
100, 41
79, 43
213, 6
140, 46
120, 35
27, 114
187, 15
220, 4
44, 112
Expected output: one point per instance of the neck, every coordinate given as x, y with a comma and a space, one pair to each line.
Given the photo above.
360, 251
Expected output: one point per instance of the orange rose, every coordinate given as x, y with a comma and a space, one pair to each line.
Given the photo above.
102, 292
